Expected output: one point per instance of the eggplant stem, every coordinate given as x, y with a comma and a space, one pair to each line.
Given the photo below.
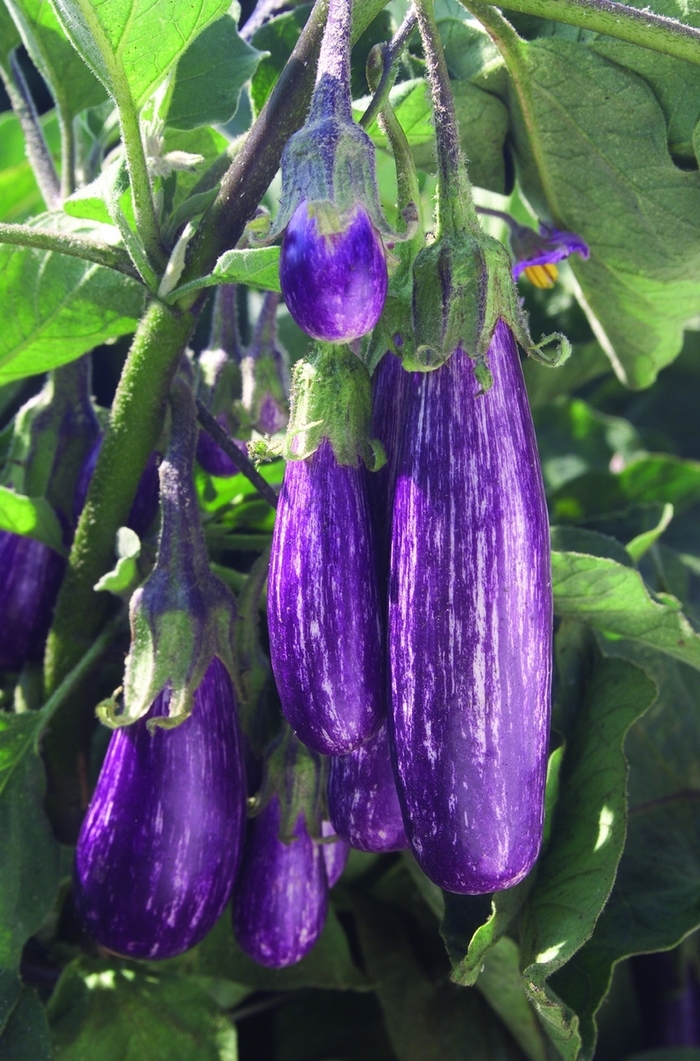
244, 465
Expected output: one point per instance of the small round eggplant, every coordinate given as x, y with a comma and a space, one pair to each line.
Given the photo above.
324, 613
30, 577
334, 284
335, 855
281, 898
160, 846
470, 624
362, 801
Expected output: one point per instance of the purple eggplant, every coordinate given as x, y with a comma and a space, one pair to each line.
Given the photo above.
470, 624
160, 846
362, 801
389, 384
335, 854
281, 899
210, 455
30, 577
334, 283
324, 613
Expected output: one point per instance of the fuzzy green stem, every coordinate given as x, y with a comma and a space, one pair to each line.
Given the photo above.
456, 212
66, 243
630, 24
332, 92
65, 125
390, 53
37, 149
144, 207
74, 678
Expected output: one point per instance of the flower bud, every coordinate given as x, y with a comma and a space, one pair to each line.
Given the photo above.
265, 375
219, 380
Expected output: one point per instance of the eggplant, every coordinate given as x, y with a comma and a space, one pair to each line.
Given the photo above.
144, 507
161, 843
324, 612
470, 624
281, 898
333, 272
389, 384
362, 801
335, 854
30, 577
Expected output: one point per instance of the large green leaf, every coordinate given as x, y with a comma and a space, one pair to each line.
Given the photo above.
502, 986
209, 77
9, 37
277, 37
19, 194
638, 212
72, 84
656, 900
114, 1011
131, 45
26, 1037
55, 307
613, 598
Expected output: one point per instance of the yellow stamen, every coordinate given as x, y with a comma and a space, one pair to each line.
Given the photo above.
542, 275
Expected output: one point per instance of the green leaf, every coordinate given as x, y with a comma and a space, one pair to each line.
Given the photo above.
502, 986
258, 267
209, 77
131, 45
329, 965
55, 307
277, 37
25, 1037
116, 1011
587, 362
125, 577
32, 517
19, 194
72, 85
655, 901
643, 542
636, 210
614, 599
9, 37
29, 866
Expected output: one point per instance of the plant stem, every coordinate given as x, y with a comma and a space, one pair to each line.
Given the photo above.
66, 243
73, 679
390, 54
456, 212
65, 125
144, 207
332, 92
232, 451
37, 149
630, 24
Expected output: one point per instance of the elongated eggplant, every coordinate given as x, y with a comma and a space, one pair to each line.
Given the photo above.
470, 616
281, 899
161, 843
30, 576
335, 855
389, 384
324, 613
362, 801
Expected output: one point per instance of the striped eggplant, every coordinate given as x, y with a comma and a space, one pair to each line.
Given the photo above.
160, 846
335, 854
389, 384
281, 898
470, 624
324, 613
30, 577
362, 801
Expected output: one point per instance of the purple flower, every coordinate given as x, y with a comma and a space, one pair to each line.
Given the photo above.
333, 272
537, 253
160, 846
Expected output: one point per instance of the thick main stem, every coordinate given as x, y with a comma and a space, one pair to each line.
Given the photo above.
332, 91
456, 212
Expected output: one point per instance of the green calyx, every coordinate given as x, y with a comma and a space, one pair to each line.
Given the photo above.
297, 776
332, 398
182, 616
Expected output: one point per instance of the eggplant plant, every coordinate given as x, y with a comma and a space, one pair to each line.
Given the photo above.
349, 493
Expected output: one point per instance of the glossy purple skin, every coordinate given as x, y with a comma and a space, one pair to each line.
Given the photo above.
362, 800
389, 384
323, 610
160, 846
334, 286
281, 899
210, 455
335, 855
145, 505
470, 625
550, 246
30, 577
